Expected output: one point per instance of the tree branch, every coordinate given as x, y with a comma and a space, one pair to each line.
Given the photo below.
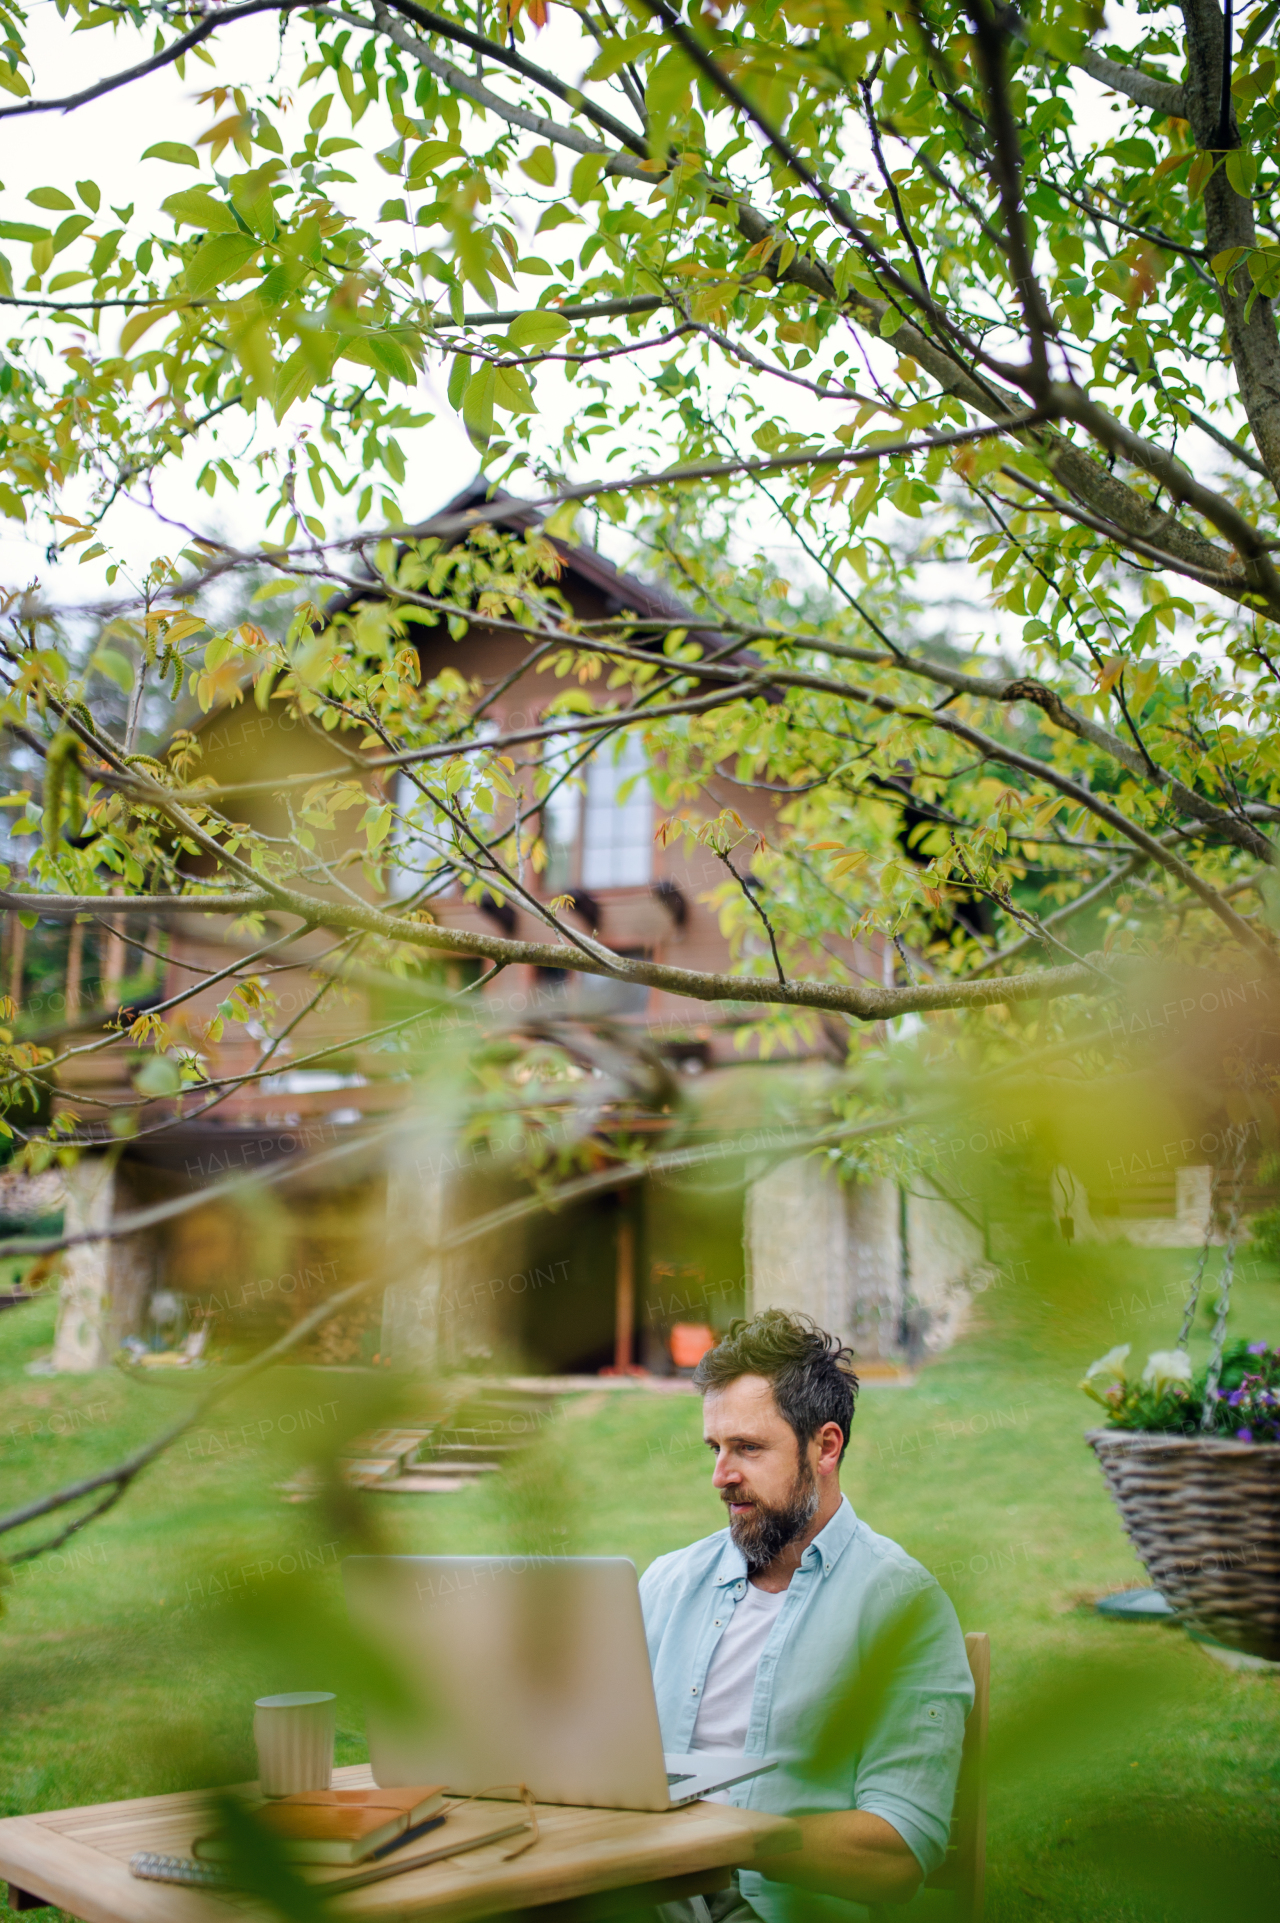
1161, 96
508, 57
174, 51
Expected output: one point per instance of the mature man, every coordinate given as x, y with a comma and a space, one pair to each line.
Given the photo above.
801, 1635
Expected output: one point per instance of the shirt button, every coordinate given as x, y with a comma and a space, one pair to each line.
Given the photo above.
716, 1623
694, 1690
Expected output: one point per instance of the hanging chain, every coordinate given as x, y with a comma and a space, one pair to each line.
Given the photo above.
1209, 1415
1193, 1300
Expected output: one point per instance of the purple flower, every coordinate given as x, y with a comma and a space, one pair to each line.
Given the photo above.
1257, 1348
1235, 1398
1244, 1435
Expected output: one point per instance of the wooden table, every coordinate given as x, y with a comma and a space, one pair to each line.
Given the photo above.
587, 1864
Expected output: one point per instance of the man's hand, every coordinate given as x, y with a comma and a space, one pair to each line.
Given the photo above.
848, 1853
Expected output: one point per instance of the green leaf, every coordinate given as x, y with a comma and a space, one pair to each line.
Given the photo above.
293, 383
251, 196
585, 178
619, 53
173, 151
540, 166
512, 391
554, 217
477, 404
158, 1076
389, 357
137, 325
1242, 170
667, 89
1223, 263
459, 375
196, 207
70, 229
377, 824
51, 197
253, 350
540, 327
217, 259
90, 194
1198, 174
110, 662
1135, 153
19, 230
427, 158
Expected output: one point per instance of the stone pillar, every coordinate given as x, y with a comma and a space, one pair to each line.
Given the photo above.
834, 1250
105, 1285
412, 1308
877, 1270
1193, 1204
945, 1247
830, 1250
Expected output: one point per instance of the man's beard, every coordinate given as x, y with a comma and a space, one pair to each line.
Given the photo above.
763, 1533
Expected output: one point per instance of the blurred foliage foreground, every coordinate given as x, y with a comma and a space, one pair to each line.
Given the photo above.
1132, 1776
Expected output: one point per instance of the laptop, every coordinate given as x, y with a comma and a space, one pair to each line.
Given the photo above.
522, 1670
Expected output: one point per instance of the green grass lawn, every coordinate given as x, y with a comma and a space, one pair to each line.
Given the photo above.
1132, 1776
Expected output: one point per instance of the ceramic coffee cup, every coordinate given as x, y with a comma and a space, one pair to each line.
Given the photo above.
294, 1735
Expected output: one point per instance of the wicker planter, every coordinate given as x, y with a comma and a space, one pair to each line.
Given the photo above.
1203, 1514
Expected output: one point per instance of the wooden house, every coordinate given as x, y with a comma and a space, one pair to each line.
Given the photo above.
357, 1169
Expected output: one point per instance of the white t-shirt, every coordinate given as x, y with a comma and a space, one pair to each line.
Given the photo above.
731, 1679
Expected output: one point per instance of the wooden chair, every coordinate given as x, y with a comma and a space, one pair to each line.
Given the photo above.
964, 1870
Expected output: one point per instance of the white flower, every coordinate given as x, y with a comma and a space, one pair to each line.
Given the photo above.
1165, 1369
1110, 1365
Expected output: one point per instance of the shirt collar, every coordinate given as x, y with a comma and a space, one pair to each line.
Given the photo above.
822, 1554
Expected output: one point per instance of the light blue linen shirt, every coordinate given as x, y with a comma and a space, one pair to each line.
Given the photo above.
860, 1696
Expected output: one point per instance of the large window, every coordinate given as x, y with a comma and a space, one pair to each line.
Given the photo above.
617, 824
598, 821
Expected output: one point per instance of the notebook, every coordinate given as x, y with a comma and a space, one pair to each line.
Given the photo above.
468, 1829
342, 1826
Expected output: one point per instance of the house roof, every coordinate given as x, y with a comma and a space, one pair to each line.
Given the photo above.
620, 590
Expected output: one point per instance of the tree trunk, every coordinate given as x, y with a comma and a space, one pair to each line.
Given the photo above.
1229, 222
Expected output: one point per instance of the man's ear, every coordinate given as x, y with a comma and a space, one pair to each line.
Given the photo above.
830, 1441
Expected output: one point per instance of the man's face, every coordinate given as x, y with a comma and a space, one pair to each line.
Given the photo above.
764, 1478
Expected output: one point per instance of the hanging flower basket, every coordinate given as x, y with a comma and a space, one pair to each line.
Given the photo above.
1203, 1513
1192, 1460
